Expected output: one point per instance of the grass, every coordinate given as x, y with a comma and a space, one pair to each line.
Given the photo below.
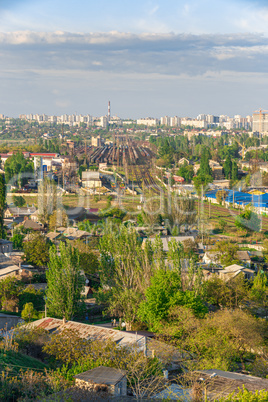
17, 361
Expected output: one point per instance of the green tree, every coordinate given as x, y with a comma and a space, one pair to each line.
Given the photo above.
202, 180
17, 240
2, 203
187, 172
29, 313
64, 282
30, 295
16, 165
227, 167
234, 171
36, 250
89, 262
163, 294
57, 218
18, 201
248, 220
205, 169
10, 289
226, 251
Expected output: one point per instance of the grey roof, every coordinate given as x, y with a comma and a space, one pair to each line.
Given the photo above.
229, 375
102, 375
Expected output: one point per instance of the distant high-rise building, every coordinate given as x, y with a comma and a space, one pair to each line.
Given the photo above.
260, 121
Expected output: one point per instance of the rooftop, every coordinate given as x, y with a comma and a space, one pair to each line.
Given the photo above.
102, 375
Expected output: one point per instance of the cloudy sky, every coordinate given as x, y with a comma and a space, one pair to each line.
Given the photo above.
149, 58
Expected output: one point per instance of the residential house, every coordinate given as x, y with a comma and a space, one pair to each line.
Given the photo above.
6, 246
219, 384
108, 379
234, 270
19, 212
32, 225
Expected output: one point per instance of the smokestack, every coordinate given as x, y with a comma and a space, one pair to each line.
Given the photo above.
109, 110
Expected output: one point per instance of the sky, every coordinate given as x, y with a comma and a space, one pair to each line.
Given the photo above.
149, 58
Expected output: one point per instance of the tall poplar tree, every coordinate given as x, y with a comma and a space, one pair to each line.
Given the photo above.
2, 203
64, 282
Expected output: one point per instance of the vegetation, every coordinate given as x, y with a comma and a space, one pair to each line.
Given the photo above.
64, 282
36, 250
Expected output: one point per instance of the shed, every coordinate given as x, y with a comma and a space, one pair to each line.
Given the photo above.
104, 378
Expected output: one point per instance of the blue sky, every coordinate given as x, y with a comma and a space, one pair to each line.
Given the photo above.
150, 58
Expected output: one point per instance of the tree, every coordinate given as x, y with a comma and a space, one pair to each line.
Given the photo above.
220, 196
16, 165
10, 289
227, 167
234, 171
18, 201
89, 262
36, 250
30, 295
205, 169
2, 203
202, 180
248, 220
187, 172
259, 289
29, 313
164, 293
64, 282
222, 340
17, 240
226, 251
57, 218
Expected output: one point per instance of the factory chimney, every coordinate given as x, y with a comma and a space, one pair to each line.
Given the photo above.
109, 110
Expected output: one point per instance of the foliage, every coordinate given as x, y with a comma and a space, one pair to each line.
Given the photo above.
187, 172
246, 396
259, 289
113, 212
226, 252
36, 250
30, 340
227, 167
66, 347
163, 294
88, 260
2, 203
64, 282
202, 180
29, 313
30, 385
205, 169
230, 294
248, 220
10, 289
220, 196
221, 340
57, 218
15, 166
17, 240
30, 295
18, 200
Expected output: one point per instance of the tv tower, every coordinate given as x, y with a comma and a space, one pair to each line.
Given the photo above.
109, 110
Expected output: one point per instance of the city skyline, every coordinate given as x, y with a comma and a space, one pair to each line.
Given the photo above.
150, 58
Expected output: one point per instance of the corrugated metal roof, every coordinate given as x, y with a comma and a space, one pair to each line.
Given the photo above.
89, 331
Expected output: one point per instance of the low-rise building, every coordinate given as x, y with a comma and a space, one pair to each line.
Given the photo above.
91, 179
107, 379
